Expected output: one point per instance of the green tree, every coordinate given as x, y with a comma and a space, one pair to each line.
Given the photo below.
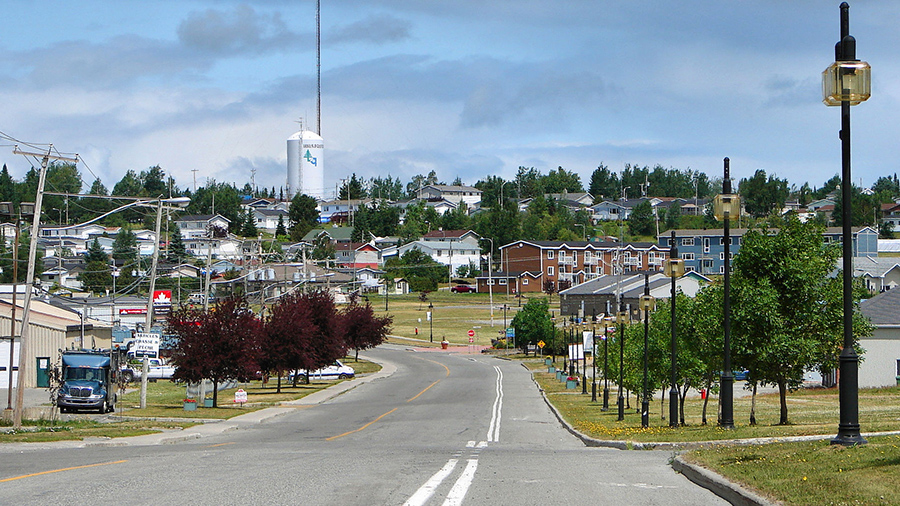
786, 307
562, 180
218, 198
125, 253
641, 221
353, 189
303, 215
863, 210
761, 196
533, 324
385, 188
673, 216
129, 186
419, 269
604, 184
153, 181
248, 227
177, 250
96, 276
280, 229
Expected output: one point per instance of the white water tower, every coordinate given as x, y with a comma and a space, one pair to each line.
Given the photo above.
305, 170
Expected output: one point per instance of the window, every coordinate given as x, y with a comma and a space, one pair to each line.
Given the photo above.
687, 241
706, 244
687, 256
490, 282
550, 270
525, 281
549, 255
502, 281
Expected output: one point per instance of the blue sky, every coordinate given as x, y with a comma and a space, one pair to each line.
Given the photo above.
465, 88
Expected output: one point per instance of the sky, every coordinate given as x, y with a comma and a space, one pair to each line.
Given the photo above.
469, 89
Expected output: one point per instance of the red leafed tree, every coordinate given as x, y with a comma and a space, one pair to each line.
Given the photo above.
218, 345
362, 329
303, 332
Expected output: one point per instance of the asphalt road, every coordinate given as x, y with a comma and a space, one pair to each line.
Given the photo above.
443, 429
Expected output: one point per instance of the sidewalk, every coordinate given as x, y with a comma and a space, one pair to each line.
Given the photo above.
37, 396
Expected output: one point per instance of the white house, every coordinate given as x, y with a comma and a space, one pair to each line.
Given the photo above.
455, 194
881, 364
198, 225
449, 247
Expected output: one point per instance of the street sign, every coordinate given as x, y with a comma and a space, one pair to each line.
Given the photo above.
541, 344
146, 344
240, 396
471, 333
511, 332
471, 340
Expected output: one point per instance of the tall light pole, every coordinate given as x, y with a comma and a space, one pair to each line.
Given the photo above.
847, 82
674, 268
606, 321
29, 279
6, 209
727, 205
431, 322
491, 277
621, 319
594, 356
648, 303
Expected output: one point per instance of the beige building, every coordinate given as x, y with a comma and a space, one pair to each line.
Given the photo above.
51, 329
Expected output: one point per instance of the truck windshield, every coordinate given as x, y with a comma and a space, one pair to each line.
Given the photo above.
85, 373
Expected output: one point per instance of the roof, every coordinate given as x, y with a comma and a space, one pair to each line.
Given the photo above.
883, 309
876, 267
583, 244
201, 217
452, 188
442, 234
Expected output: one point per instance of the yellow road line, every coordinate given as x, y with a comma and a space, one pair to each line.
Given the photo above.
423, 391
220, 444
61, 470
361, 428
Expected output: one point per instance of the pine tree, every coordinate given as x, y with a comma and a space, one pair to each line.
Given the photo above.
177, 250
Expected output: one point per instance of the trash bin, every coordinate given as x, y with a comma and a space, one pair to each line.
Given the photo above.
548, 361
444, 345
571, 383
551, 370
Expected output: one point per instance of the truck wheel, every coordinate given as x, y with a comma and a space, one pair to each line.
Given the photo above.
103, 408
128, 375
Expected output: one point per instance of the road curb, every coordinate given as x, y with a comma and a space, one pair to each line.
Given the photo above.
715, 483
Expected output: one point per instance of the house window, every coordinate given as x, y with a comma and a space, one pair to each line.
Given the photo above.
550, 270
490, 281
549, 255
687, 256
525, 281
502, 281
706, 244
687, 241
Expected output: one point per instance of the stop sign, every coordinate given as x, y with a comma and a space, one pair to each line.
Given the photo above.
471, 333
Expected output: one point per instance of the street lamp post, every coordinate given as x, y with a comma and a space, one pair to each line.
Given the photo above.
674, 269
648, 303
594, 356
605, 364
431, 322
621, 318
727, 205
490, 277
847, 82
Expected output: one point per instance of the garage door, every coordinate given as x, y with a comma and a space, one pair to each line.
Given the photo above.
4, 364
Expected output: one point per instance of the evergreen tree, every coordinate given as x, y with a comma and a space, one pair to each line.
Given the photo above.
280, 229
248, 228
641, 220
177, 250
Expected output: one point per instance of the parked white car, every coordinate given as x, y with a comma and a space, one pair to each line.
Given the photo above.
337, 370
157, 370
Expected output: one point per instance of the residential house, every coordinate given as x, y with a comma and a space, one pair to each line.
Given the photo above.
567, 263
198, 225
455, 194
267, 219
880, 362
704, 250
879, 273
890, 213
599, 296
453, 248
333, 233
354, 255
340, 211
573, 199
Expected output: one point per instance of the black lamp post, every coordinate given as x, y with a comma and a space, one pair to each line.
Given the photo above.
621, 319
674, 269
580, 337
847, 82
571, 346
594, 356
648, 303
726, 205
605, 364
431, 322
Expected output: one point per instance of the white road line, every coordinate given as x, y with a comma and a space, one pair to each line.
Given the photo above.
427, 490
494, 428
458, 492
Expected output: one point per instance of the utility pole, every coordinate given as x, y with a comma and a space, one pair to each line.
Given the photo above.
29, 279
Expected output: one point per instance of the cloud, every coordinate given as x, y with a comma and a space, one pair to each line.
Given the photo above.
377, 29
242, 31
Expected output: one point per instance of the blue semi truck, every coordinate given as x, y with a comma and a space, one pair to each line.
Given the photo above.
88, 381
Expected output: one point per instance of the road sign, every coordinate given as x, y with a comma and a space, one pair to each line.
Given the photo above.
471, 333
240, 396
471, 340
511, 332
541, 344
146, 344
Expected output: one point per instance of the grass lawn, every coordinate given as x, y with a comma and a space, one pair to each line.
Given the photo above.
812, 472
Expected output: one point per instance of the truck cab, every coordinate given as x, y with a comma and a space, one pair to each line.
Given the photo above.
87, 382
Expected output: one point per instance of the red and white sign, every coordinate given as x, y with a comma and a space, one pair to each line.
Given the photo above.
141, 310
240, 396
471, 333
162, 297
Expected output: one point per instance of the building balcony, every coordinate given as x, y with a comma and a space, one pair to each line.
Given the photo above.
566, 260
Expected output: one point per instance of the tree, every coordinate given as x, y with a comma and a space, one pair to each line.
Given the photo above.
280, 229
177, 250
323, 248
419, 269
385, 188
562, 180
763, 196
641, 221
303, 215
673, 216
353, 189
96, 276
248, 228
533, 323
786, 308
217, 345
362, 329
218, 198
863, 208
125, 253
604, 184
